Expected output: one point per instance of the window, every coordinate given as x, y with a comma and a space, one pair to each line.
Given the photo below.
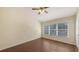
46, 30
62, 29
56, 29
53, 30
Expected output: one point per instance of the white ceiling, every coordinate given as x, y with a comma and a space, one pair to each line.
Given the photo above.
55, 12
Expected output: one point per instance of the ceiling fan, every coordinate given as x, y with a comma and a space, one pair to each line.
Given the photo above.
41, 9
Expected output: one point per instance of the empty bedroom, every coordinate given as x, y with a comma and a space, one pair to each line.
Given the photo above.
39, 29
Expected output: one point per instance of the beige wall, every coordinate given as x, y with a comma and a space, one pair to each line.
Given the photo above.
71, 29
17, 25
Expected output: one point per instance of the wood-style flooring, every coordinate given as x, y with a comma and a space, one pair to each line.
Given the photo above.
42, 45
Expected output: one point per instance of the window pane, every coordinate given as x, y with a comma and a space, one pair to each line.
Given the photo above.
46, 27
62, 26
53, 32
46, 30
62, 32
53, 26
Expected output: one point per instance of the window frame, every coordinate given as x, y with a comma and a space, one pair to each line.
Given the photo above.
56, 29
66, 29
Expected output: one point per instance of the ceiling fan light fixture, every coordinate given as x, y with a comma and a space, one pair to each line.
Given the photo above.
41, 10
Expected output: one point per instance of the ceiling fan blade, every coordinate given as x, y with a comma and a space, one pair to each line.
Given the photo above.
46, 7
38, 8
39, 13
46, 11
35, 8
